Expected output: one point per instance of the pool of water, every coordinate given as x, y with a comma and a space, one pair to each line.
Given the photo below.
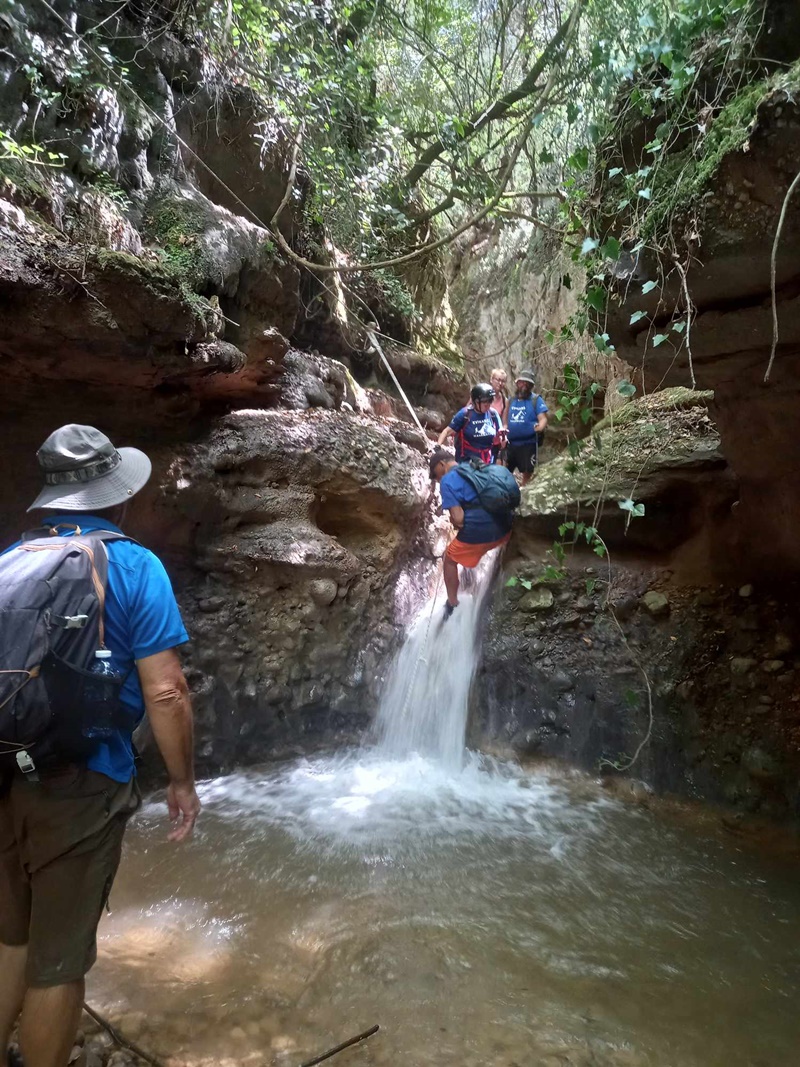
481, 914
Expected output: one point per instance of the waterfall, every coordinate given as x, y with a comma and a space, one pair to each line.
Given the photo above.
423, 709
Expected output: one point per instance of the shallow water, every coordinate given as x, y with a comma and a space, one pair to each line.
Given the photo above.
483, 916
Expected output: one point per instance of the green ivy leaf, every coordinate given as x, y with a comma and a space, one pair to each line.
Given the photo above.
635, 510
526, 583
599, 549
602, 342
626, 388
648, 287
679, 327
612, 248
596, 298
512, 582
659, 339
589, 245
579, 158
645, 194
614, 172
636, 316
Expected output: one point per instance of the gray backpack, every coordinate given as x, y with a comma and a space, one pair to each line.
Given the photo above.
52, 598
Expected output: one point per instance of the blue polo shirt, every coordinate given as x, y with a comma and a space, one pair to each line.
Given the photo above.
141, 619
480, 526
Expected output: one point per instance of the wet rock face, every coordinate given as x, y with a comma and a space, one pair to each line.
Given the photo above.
569, 683
290, 532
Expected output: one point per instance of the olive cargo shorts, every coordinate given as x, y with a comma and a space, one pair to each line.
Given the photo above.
60, 845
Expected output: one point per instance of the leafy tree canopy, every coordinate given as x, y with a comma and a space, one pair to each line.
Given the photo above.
419, 118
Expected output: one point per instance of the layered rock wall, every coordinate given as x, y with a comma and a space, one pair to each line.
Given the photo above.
140, 294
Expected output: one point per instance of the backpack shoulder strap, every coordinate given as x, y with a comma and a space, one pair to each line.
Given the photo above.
46, 540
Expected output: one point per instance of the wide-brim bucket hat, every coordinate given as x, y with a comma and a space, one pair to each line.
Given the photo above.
84, 471
525, 376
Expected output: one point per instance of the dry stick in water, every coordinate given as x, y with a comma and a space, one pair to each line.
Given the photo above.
123, 1042
339, 1048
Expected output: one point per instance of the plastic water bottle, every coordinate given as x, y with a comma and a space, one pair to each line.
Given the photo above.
100, 697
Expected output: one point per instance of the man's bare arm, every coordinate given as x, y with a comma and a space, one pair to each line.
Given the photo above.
166, 700
541, 422
456, 516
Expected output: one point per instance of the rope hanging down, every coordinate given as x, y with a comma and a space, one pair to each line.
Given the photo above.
373, 340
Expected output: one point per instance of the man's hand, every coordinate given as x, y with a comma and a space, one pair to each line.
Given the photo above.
183, 804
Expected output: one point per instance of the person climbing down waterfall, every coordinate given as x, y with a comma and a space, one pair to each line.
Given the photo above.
477, 428
481, 499
527, 419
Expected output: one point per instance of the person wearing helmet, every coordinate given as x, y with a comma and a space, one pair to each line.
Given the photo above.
477, 428
527, 418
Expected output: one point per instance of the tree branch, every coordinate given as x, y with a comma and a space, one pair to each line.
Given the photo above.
526, 87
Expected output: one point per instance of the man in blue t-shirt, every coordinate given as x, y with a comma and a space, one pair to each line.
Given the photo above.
477, 428
478, 530
527, 418
61, 836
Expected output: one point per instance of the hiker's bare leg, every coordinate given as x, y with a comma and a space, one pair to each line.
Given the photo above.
451, 580
50, 1018
12, 989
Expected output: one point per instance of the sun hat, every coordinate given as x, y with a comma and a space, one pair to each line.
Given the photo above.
83, 471
525, 376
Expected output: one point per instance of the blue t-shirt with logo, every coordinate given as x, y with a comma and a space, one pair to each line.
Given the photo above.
475, 433
480, 526
522, 418
142, 618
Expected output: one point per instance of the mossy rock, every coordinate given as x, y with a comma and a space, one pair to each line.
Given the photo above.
677, 398
174, 226
629, 452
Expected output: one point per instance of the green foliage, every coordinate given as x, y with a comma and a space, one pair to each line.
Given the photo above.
174, 227
396, 293
35, 154
403, 109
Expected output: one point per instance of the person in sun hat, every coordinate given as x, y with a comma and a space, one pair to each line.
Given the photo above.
527, 419
61, 827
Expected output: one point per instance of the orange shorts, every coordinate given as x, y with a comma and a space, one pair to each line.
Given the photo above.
470, 555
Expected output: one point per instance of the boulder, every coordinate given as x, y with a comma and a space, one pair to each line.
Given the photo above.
537, 599
655, 603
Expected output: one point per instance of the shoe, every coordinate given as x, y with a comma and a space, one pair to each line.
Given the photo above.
448, 610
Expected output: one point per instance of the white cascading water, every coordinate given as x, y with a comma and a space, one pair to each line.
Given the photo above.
482, 913
423, 710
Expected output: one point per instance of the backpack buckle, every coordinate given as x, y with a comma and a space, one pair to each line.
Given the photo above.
27, 766
70, 622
